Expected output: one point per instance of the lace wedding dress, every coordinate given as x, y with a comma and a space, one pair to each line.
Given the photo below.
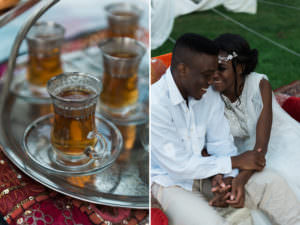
283, 153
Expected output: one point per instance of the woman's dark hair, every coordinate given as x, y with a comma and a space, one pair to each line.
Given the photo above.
246, 57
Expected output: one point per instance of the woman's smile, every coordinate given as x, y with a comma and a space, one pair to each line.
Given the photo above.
218, 85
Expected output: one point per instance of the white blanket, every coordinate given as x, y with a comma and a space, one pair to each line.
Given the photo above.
165, 11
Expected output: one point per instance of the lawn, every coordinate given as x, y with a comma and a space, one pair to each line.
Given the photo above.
279, 24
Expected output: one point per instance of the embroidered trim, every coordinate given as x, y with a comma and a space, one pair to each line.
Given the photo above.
8, 190
35, 199
19, 205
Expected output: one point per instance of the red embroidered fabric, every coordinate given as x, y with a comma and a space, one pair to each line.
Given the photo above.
158, 217
24, 201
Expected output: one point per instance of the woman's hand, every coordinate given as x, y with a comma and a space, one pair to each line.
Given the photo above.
250, 160
219, 200
220, 184
237, 194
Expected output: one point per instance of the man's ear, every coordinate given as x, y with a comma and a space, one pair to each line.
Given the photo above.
182, 69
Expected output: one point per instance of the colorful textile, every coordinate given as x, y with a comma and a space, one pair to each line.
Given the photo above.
24, 201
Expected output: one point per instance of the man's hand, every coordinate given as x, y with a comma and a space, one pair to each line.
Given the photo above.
250, 160
237, 194
219, 184
220, 187
219, 200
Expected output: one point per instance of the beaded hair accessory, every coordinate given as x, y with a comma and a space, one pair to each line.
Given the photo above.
227, 58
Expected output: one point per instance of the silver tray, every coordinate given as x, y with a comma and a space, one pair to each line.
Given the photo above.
124, 184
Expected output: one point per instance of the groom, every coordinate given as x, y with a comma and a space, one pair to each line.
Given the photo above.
186, 116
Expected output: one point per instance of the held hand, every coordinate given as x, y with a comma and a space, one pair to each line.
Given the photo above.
220, 184
219, 200
237, 194
250, 160
220, 187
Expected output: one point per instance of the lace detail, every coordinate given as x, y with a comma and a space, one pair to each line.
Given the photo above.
235, 113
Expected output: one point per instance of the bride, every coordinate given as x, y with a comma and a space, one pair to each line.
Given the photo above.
256, 119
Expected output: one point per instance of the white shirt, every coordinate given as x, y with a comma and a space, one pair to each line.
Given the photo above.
179, 133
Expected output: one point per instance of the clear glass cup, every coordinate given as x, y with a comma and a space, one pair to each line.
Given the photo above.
74, 134
44, 42
121, 59
123, 19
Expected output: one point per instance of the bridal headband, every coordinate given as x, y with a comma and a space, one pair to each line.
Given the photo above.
227, 58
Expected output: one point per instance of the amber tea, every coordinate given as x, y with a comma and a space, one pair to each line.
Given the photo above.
41, 67
120, 91
44, 46
121, 59
123, 19
74, 134
125, 26
74, 129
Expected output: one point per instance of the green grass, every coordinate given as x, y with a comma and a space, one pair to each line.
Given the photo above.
277, 23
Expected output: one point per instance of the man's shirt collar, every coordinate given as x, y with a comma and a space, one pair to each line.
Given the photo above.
175, 95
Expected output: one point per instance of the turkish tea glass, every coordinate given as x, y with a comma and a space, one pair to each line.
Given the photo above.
44, 42
121, 60
123, 19
74, 134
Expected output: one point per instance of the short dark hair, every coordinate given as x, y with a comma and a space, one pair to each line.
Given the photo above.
189, 44
247, 57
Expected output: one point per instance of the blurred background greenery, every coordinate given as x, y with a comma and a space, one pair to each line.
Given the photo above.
277, 23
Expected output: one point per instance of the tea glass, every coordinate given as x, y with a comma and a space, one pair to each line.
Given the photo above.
123, 19
121, 59
44, 42
74, 136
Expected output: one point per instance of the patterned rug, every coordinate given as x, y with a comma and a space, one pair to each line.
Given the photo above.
284, 92
292, 89
24, 201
